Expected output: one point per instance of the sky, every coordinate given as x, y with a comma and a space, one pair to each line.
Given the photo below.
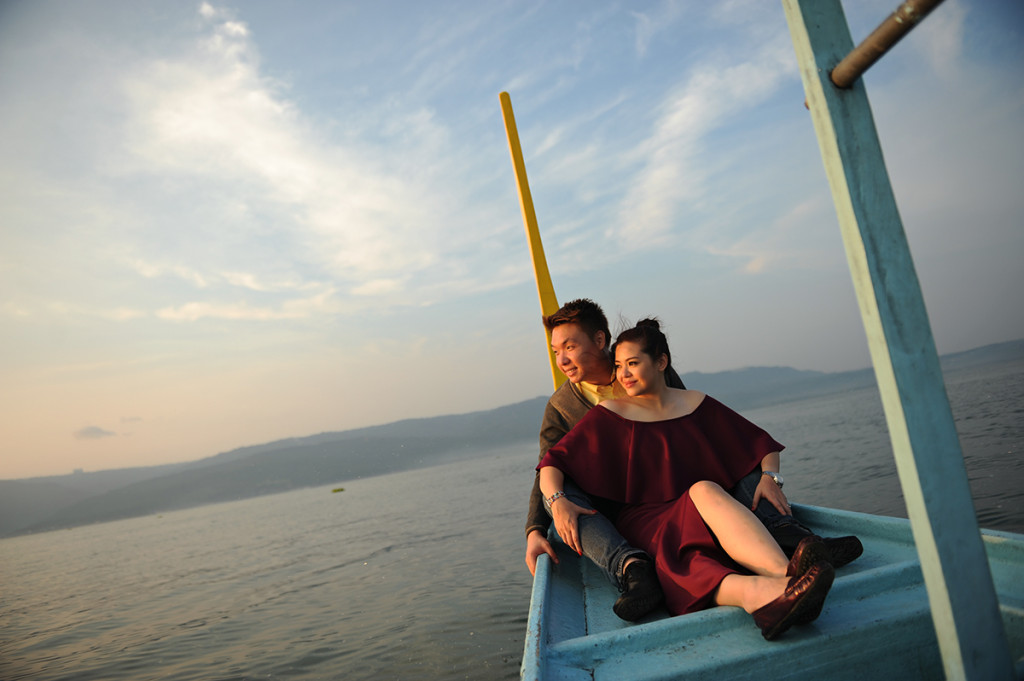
223, 224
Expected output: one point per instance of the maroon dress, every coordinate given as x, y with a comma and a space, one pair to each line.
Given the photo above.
648, 467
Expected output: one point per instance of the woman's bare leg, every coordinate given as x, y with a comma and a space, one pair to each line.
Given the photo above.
749, 592
739, 532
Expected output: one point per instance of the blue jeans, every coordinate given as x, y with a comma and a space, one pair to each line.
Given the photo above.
603, 544
743, 492
784, 528
599, 539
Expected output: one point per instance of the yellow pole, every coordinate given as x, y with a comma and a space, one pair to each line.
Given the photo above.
545, 290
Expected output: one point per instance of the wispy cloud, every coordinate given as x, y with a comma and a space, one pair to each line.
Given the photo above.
336, 206
297, 308
377, 286
943, 43
93, 433
771, 245
673, 173
152, 270
649, 24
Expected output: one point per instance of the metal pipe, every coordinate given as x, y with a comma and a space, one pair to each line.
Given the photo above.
861, 58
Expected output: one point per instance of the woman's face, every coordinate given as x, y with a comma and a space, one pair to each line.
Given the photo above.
636, 371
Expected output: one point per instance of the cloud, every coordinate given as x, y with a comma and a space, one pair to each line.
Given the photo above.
943, 42
121, 314
93, 433
57, 309
152, 270
207, 189
214, 120
324, 301
673, 172
12, 309
207, 280
377, 287
249, 281
649, 24
196, 310
777, 243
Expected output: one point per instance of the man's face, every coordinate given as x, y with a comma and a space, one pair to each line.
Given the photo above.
580, 357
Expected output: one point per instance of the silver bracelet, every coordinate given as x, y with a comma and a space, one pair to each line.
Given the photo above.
555, 497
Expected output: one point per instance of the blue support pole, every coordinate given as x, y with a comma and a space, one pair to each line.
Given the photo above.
929, 460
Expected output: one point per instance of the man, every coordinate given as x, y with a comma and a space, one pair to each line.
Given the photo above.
580, 340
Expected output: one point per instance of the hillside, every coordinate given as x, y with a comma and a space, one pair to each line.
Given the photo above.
41, 504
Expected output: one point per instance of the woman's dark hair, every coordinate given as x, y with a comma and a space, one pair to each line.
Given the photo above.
647, 334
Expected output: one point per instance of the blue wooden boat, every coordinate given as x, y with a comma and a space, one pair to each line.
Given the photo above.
876, 624
932, 596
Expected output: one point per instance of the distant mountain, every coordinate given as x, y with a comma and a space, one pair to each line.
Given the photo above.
40, 504
760, 386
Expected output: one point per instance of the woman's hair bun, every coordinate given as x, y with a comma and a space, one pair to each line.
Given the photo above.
648, 334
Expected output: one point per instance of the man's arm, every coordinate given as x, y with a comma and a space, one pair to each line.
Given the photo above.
552, 429
537, 534
767, 489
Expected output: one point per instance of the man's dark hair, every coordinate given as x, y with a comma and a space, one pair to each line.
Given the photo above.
584, 312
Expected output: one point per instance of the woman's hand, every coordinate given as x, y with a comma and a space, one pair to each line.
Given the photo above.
566, 517
772, 493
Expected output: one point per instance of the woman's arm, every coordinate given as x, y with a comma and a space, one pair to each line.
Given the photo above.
770, 462
564, 512
551, 481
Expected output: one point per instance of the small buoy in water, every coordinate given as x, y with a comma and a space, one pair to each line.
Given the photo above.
337, 489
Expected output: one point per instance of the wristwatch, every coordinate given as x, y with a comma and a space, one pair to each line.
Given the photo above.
776, 478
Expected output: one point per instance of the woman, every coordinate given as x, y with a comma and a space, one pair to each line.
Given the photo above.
664, 456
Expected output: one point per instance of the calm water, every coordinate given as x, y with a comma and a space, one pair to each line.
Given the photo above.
838, 452
415, 575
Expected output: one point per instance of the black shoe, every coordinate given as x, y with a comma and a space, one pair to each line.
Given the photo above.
641, 593
843, 550
789, 535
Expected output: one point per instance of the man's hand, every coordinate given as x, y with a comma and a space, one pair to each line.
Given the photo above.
768, 490
566, 514
536, 544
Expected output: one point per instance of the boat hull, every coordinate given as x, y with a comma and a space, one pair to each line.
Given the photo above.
876, 622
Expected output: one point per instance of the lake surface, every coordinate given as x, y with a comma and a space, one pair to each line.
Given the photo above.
412, 575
